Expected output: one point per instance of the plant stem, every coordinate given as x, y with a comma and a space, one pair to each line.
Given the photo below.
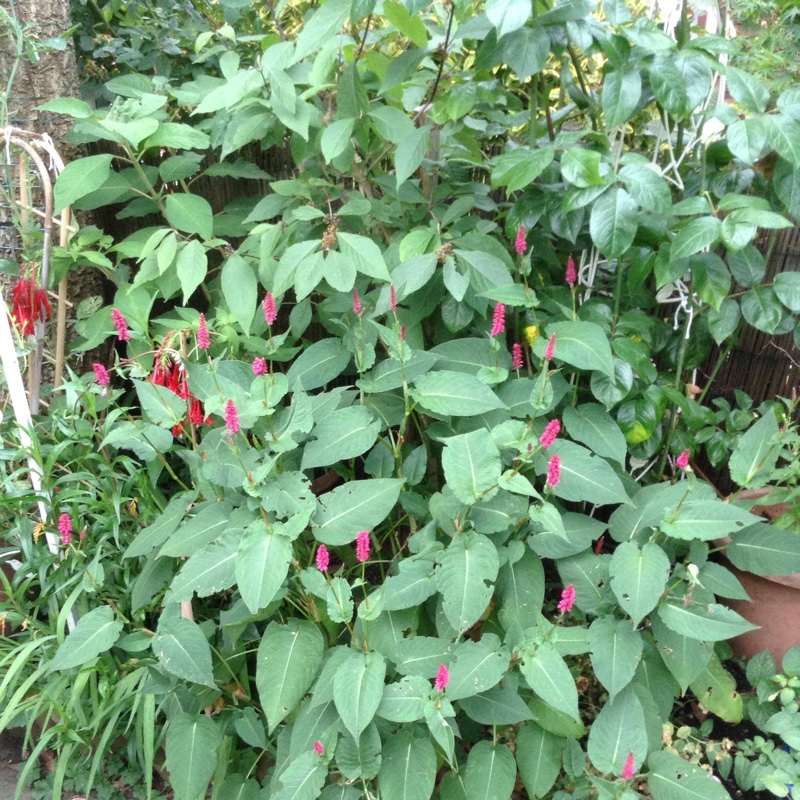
720, 360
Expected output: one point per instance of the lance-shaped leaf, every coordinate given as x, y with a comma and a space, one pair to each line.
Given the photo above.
408, 769
673, 778
192, 744
582, 344
261, 565
638, 578
183, 650
549, 676
94, 634
454, 394
618, 730
471, 464
491, 772
613, 222
464, 577
346, 433
358, 689
700, 619
616, 650
685, 657
538, 758
476, 667
756, 453
287, 662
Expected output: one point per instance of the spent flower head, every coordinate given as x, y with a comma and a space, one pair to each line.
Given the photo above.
516, 356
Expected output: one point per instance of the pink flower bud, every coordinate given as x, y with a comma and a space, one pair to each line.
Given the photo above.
270, 310
362, 546
318, 748
550, 350
683, 460
629, 768
203, 339
231, 417
554, 472
498, 320
567, 600
520, 245
121, 326
571, 275
550, 432
259, 366
357, 307
516, 357
323, 558
101, 374
65, 529
442, 678
392, 298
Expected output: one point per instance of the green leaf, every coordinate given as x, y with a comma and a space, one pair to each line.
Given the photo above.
723, 322
339, 599
621, 92
465, 574
747, 139
618, 730
765, 550
411, 27
705, 519
95, 633
162, 526
715, 688
192, 744
410, 153
519, 168
326, 21
613, 222
179, 136
261, 565
584, 476
183, 650
784, 137
756, 453
526, 51
70, 106
190, 213
251, 729
360, 758
786, 286
581, 167
539, 755
336, 137
476, 667
454, 394
365, 254
491, 772
583, 345
80, 178
760, 307
507, 15
319, 364
592, 425
344, 434
192, 267
673, 778
392, 124
302, 779
408, 769
686, 657
499, 706
287, 663
638, 578
710, 621
746, 90
355, 506
240, 289
413, 585
391, 374
358, 689
472, 466
520, 591
697, 235
420, 655
404, 701
616, 651
207, 572
647, 187
549, 676
209, 522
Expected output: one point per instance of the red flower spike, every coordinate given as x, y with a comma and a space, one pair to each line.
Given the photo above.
442, 678
550, 433
498, 320
362, 546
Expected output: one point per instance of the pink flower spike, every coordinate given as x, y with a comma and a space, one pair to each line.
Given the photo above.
520, 245
554, 472
362, 546
260, 366
121, 325
683, 460
571, 275
498, 320
516, 357
101, 374
65, 529
442, 678
392, 298
318, 748
567, 599
231, 417
550, 432
357, 307
323, 558
203, 339
270, 310
629, 768
550, 350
